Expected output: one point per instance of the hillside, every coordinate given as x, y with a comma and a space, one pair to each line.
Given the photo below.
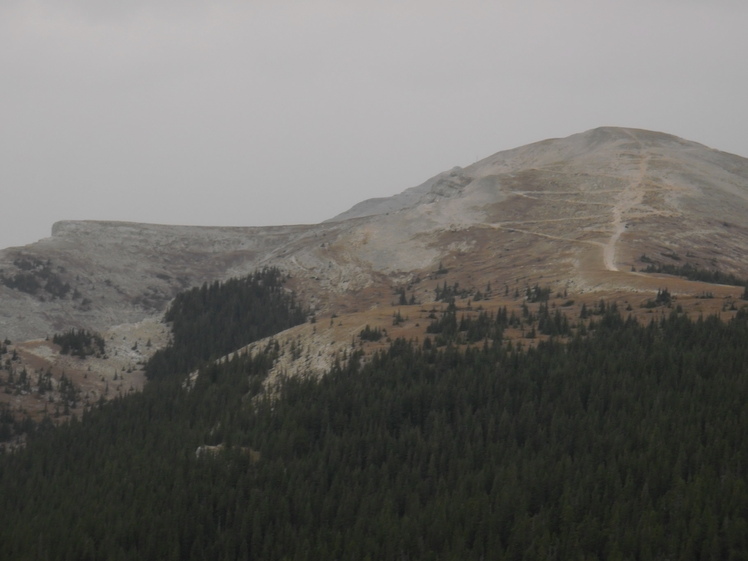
585, 216
591, 436
578, 212
541, 355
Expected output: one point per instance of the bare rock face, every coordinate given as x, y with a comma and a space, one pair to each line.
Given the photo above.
577, 212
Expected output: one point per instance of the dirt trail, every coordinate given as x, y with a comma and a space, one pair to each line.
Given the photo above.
630, 197
512, 228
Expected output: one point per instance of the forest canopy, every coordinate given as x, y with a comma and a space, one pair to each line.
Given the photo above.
625, 443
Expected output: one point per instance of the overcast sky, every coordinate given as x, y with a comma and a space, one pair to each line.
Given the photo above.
262, 112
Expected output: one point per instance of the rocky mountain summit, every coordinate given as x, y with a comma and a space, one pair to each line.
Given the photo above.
578, 213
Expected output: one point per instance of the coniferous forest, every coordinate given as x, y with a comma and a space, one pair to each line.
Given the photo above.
625, 443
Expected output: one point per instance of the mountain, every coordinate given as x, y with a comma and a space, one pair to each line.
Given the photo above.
577, 212
539, 355
603, 213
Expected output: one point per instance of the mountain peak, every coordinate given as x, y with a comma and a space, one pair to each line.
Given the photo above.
584, 152
577, 211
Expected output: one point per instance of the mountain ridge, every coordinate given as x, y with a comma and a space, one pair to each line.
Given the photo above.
587, 206
599, 215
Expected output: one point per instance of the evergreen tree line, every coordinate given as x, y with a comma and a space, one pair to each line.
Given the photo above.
626, 443
489, 326
80, 342
218, 318
370, 334
691, 272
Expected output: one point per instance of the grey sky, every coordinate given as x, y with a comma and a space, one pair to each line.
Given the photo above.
265, 112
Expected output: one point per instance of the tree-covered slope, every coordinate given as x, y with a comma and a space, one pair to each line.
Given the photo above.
218, 318
624, 444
